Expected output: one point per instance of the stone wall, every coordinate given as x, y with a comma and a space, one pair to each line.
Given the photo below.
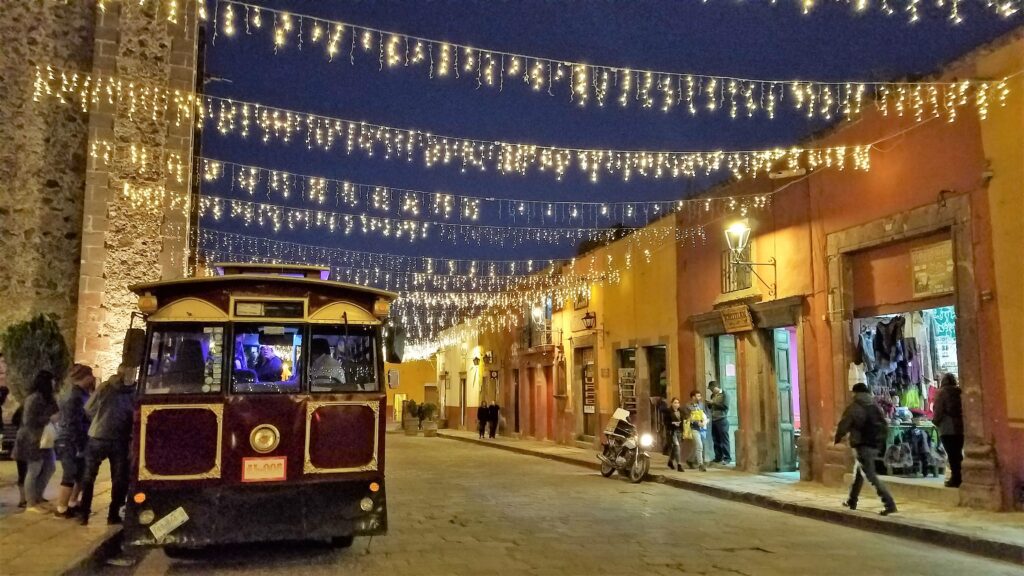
43, 152
136, 213
81, 216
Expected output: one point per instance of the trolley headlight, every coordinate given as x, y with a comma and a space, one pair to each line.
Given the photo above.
366, 504
146, 517
264, 438
646, 440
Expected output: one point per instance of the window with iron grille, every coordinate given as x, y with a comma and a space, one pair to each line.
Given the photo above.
735, 276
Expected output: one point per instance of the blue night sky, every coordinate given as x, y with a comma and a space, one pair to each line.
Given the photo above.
721, 37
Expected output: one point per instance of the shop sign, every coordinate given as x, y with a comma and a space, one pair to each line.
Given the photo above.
933, 269
737, 319
589, 390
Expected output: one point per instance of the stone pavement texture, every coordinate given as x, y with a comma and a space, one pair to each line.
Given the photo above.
33, 543
457, 508
999, 535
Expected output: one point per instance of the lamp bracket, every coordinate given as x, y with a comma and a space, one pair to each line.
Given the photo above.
772, 288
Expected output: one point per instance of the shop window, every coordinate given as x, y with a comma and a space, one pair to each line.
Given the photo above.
735, 276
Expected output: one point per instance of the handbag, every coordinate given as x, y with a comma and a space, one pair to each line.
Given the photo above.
49, 436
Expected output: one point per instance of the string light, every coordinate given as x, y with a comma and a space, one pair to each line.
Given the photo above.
493, 67
326, 133
276, 217
440, 205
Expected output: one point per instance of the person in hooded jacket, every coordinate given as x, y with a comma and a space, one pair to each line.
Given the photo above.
864, 422
111, 409
948, 417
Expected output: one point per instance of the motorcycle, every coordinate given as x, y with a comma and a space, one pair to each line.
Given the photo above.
625, 448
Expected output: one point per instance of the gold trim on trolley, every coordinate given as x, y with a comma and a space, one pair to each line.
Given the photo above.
312, 407
146, 474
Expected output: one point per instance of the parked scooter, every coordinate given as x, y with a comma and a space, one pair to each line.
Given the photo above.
625, 449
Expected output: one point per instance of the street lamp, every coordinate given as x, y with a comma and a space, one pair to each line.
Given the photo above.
476, 361
538, 314
589, 320
737, 235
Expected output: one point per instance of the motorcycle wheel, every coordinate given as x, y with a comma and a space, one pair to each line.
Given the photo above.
607, 469
639, 469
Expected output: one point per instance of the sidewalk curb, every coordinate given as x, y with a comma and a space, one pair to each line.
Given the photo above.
1005, 551
90, 562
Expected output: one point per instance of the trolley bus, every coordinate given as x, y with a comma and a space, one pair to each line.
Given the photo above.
260, 413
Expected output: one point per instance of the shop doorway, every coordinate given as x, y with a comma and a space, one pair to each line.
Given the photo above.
627, 381
787, 382
515, 398
902, 358
398, 407
531, 390
462, 400
586, 389
657, 375
721, 355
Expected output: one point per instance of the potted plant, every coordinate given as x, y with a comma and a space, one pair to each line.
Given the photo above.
410, 418
425, 413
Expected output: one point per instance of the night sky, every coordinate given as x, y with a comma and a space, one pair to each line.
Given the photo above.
721, 37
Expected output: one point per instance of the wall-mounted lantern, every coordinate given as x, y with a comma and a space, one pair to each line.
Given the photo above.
737, 235
476, 361
589, 320
489, 357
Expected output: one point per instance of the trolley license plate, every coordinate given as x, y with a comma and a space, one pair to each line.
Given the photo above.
264, 469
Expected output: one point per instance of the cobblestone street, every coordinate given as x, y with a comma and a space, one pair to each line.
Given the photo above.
456, 508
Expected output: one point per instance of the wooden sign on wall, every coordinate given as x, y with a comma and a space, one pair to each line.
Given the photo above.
737, 319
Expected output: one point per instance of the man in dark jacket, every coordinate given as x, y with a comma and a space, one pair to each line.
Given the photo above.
493, 414
948, 417
718, 405
111, 409
864, 422
483, 416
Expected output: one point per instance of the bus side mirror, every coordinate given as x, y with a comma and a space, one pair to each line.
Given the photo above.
134, 349
394, 344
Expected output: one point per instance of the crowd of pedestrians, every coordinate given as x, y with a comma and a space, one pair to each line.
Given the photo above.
81, 427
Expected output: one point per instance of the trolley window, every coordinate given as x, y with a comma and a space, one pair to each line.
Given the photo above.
185, 359
266, 359
343, 359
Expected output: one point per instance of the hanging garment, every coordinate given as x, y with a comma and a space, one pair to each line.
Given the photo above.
888, 342
913, 350
865, 352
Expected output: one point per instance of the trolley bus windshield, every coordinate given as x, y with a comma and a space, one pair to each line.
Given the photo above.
343, 359
185, 359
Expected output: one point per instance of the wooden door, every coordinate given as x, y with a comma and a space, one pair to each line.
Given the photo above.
728, 379
784, 383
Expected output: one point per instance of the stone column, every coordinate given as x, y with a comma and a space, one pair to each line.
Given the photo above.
43, 151
138, 181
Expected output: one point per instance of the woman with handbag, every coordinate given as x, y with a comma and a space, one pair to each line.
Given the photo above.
36, 438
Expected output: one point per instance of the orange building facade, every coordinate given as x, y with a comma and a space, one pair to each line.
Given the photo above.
839, 253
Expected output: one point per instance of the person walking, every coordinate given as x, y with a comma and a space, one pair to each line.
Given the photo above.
718, 404
674, 423
693, 431
493, 414
483, 416
30, 445
665, 434
72, 437
865, 423
948, 417
20, 464
111, 408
